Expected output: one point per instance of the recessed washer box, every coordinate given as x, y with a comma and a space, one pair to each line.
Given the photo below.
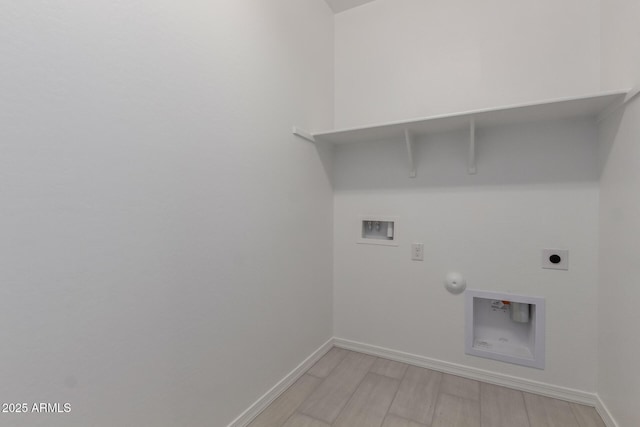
378, 230
505, 327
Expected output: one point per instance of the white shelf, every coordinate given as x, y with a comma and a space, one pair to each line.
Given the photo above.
585, 106
555, 109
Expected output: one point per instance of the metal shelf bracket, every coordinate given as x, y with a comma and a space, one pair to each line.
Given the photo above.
412, 166
303, 134
471, 161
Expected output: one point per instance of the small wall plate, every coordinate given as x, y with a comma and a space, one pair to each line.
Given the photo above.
555, 259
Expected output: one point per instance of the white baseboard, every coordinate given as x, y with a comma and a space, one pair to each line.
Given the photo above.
517, 383
604, 413
247, 416
522, 384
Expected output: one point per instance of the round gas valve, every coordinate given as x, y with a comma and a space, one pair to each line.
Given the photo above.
455, 283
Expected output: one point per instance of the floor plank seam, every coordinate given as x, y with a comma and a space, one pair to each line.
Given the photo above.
438, 393
315, 376
394, 396
526, 408
312, 417
289, 417
351, 396
573, 411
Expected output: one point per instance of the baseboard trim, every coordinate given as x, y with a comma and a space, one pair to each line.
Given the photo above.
517, 383
259, 405
522, 384
604, 413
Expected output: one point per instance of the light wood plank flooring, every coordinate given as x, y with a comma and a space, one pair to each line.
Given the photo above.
349, 389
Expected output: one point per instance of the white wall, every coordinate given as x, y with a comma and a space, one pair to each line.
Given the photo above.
536, 188
166, 250
536, 185
619, 342
397, 59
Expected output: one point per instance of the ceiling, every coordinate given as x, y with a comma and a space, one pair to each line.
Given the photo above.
341, 5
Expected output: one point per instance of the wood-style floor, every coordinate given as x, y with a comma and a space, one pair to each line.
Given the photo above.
348, 389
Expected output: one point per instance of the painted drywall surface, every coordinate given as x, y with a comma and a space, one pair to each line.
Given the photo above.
619, 342
620, 40
536, 188
166, 242
398, 59
536, 185
341, 5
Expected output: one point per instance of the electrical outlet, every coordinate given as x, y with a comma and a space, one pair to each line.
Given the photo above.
417, 252
555, 259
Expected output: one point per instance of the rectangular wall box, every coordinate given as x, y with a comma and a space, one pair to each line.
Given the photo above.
505, 327
378, 230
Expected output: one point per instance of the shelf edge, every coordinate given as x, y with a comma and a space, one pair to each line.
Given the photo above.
621, 93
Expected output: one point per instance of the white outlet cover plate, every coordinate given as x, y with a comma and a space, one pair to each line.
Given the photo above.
417, 252
564, 259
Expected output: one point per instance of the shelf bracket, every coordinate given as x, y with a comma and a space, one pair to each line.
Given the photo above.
303, 134
471, 161
412, 166
632, 94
